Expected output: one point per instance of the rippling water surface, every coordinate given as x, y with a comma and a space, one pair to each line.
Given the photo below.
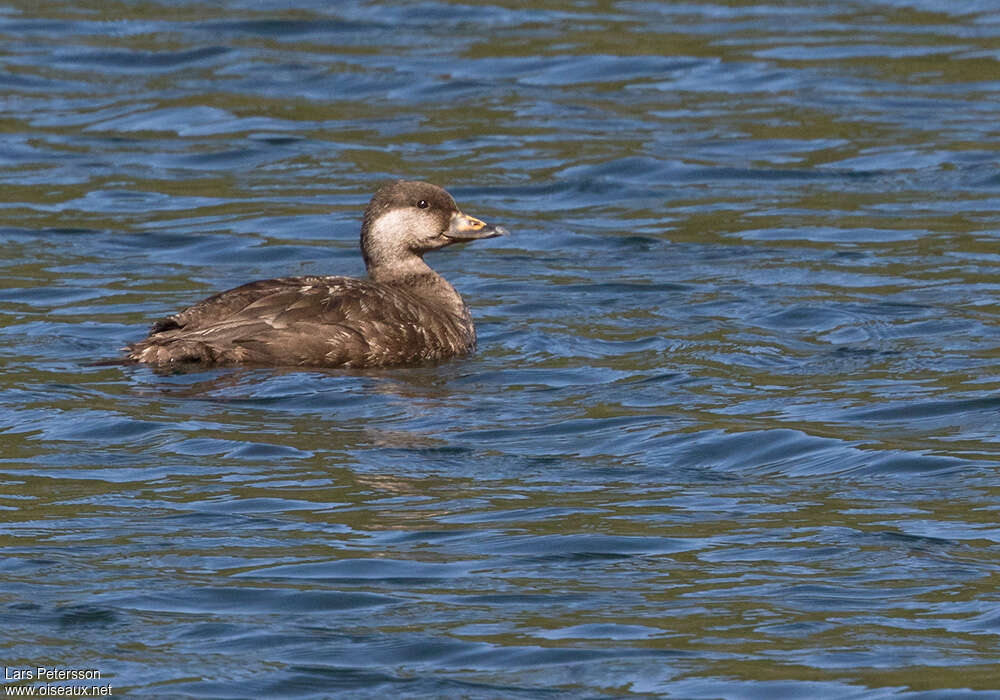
732, 429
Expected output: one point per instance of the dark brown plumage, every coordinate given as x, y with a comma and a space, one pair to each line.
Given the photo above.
404, 313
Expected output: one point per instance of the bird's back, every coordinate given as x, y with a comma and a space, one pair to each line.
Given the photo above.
311, 321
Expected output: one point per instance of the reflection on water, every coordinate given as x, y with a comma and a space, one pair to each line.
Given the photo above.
732, 427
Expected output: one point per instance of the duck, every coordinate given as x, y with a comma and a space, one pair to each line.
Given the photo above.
404, 313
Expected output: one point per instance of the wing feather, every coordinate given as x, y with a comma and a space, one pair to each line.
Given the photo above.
308, 321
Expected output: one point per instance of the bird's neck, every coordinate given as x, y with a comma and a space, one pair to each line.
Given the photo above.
416, 277
401, 268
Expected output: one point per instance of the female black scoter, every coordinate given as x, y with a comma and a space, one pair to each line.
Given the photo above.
404, 313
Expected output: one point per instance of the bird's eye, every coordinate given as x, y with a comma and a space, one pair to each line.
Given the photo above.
422, 204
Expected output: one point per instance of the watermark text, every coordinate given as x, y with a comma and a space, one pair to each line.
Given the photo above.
42, 682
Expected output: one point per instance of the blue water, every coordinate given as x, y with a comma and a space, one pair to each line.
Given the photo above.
732, 427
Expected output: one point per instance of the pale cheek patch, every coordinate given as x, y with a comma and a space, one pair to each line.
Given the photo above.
400, 229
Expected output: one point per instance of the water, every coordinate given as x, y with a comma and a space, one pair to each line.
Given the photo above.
732, 429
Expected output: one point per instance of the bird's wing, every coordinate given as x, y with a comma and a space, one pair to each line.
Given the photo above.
304, 320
